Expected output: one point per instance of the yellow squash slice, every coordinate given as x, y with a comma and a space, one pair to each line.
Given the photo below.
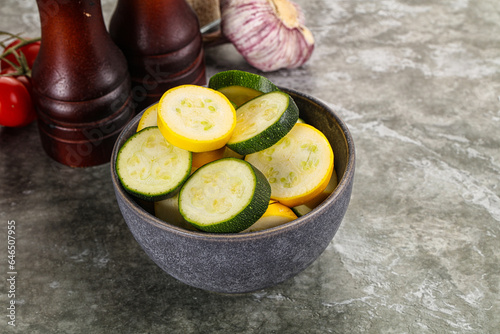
148, 118
203, 158
298, 167
276, 214
312, 204
196, 118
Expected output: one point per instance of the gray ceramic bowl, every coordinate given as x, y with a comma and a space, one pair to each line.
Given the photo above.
238, 263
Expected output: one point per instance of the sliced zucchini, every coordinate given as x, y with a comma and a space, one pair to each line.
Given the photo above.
241, 86
332, 184
262, 122
196, 118
227, 195
239, 95
298, 167
301, 210
151, 168
305, 208
168, 211
148, 118
276, 214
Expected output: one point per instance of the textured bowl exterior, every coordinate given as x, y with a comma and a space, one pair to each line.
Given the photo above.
239, 263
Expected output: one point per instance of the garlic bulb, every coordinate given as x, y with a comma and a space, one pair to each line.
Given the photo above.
269, 34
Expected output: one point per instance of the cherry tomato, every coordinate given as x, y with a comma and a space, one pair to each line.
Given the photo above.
30, 51
16, 107
8, 70
26, 81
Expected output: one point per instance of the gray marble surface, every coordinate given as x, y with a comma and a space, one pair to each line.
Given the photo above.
417, 82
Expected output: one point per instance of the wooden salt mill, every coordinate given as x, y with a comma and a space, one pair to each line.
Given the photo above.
162, 42
81, 85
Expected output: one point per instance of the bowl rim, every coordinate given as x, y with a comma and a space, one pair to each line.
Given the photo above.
342, 186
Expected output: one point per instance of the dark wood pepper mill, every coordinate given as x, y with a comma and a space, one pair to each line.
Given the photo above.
81, 85
162, 42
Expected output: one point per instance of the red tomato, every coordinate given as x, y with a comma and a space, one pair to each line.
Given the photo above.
23, 78
26, 81
8, 70
30, 51
16, 107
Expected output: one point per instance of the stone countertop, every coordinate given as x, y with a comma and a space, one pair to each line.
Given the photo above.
418, 84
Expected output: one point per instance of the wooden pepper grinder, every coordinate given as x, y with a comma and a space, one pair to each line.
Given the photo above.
162, 42
81, 85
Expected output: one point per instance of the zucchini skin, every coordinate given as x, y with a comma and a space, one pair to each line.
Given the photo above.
272, 134
149, 197
248, 215
152, 197
241, 78
259, 203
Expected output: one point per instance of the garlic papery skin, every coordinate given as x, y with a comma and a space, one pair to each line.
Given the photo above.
269, 34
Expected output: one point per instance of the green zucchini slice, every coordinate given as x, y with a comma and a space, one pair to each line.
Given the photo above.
262, 122
240, 86
151, 168
301, 210
226, 196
